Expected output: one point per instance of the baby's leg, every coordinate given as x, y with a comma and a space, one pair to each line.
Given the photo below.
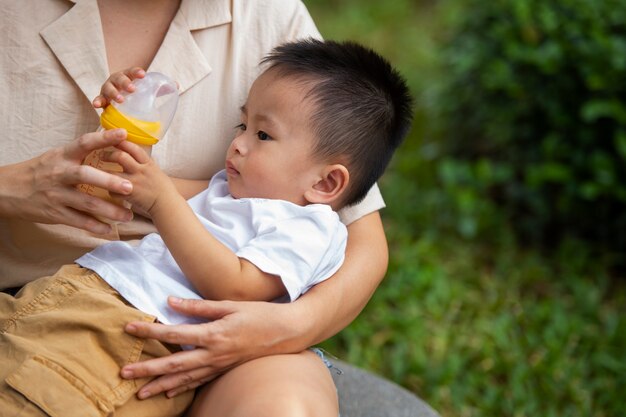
296, 385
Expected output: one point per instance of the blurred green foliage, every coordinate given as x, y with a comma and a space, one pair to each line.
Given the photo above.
531, 108
469, 318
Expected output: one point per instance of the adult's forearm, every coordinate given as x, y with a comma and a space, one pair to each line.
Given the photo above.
332, 305
240, 331
10, 177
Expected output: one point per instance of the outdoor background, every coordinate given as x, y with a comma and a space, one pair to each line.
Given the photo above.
506, 212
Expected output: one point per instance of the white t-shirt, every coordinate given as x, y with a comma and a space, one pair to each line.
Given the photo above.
302, 245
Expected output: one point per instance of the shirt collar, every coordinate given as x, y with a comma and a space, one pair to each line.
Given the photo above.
201, 14
179, 56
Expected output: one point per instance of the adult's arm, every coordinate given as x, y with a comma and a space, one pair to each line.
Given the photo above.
43, 189
241, 331
336, 302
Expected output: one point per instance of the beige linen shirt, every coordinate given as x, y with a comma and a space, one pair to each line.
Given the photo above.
53, 62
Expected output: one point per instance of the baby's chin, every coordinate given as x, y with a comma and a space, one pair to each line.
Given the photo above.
237, 194
233, 193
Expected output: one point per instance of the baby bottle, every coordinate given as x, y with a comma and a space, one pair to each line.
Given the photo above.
146, 115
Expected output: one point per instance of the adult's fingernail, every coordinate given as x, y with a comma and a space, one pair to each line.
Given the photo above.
127, 373
103, 229
175, 300
129, 216
143, 395
127, 186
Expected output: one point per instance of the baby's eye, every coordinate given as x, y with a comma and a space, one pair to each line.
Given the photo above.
263, 136
241, 126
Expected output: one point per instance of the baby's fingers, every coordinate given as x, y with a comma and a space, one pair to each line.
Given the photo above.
126, 161
118, 83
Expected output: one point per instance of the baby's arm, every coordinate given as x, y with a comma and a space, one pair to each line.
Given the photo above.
213, 269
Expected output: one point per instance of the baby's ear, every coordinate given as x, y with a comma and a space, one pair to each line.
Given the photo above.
330, 187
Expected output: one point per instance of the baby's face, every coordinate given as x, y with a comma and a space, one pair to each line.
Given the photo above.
271, 156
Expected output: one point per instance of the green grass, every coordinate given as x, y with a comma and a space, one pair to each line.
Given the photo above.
470, 321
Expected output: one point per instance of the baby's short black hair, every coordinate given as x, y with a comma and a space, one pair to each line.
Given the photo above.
363, 105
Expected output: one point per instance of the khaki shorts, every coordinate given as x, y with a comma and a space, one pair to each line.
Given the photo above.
62, 345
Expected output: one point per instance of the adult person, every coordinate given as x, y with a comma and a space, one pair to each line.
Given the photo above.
266, 228
56, 54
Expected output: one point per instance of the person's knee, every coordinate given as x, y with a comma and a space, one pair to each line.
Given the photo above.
287, 405
284, 385
286, 402
290, 407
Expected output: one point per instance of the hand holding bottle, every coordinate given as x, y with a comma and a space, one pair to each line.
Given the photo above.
145, 108
150, 183
43, 189
117, 85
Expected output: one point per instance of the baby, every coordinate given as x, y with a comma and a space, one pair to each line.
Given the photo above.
319, 127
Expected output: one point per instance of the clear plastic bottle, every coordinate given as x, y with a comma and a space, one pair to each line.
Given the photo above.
146, 115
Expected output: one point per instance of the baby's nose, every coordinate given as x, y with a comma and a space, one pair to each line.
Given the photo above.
238, 145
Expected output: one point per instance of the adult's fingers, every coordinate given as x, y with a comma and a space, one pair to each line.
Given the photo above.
177, 362
46, 188
176, 373
197, 378
212, 310
80, 220
183, 334
84, 174
175, 384
83, 146
236, 332
85, 203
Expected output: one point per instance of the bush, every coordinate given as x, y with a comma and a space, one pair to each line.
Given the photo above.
532, 100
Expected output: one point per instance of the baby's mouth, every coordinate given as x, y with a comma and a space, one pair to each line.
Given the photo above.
230, 169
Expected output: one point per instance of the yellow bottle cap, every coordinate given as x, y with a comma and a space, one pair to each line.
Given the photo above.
141, 132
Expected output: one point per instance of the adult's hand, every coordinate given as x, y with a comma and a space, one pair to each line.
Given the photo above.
43, 189
232, 338
240, 331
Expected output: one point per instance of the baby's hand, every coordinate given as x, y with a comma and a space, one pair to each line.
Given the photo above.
150, 184
115, 84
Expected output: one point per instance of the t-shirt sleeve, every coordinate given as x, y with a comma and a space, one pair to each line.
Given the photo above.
302, 251
372, 202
